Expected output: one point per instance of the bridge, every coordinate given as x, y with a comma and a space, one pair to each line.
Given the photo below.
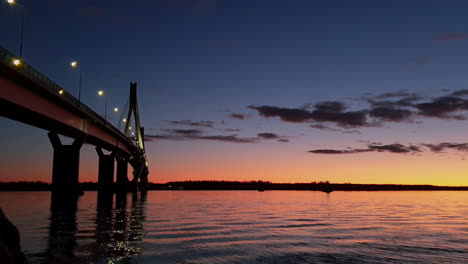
29, 97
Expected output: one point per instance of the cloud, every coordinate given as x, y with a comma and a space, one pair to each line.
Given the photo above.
394, 148
391, 148
268, 136
323, 127
440, 107
333, 111
451, 146
191, 123
323, 112
330, 107
345, 119
461, 93
231, 130
400, 106
195, 134
184, 132
400, 93
230, 138
223, 138
449, 36
237, 116
283, 140
294, 115
397, 148
334, 151
391, 114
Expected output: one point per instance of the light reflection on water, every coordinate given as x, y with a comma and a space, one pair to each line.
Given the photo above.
245, 227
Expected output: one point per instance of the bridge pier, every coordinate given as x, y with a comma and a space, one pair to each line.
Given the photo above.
122, 178
106, 170
65, 169
105, 176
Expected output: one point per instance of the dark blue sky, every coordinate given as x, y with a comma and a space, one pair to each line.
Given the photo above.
203, 60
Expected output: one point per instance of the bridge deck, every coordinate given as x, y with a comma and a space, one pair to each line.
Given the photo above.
30, 97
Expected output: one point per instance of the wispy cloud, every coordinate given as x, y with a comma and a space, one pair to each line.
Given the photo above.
397, 148
238, 116
223, 138
191, 123
268, 136
194, 134
391, 148
184, 132
447, 146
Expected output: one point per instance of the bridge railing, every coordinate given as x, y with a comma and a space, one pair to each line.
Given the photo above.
7, 58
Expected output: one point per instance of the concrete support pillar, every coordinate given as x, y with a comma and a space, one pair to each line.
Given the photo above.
65, 169
122, 179
105, 176
106, 170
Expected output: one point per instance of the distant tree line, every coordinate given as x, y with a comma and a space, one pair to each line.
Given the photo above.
244, 185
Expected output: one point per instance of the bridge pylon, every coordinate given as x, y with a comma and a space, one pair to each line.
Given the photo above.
138, 159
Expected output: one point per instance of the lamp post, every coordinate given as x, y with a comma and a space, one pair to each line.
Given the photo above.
75, 64
116, 110
101, 93
12, 3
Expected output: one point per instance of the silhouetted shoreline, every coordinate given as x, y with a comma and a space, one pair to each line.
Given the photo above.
247, 185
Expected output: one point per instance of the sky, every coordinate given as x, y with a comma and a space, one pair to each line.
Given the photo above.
355, 91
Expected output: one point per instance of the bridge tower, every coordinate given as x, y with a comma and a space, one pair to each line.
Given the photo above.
138, 159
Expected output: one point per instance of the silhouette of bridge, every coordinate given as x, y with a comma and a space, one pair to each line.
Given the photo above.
30, 97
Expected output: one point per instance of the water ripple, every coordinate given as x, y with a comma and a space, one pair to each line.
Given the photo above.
246, 227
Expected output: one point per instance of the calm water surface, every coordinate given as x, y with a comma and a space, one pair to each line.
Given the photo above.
245, 227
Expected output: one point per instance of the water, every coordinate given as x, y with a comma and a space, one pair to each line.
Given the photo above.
245, 227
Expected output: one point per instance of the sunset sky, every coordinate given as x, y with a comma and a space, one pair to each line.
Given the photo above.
360, 91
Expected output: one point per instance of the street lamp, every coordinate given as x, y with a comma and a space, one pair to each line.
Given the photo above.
12, 3
75, 64
16, 62
101, 93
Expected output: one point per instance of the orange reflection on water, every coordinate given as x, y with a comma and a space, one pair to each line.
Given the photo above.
251, 226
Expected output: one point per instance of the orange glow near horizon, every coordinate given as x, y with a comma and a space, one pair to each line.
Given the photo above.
279, 163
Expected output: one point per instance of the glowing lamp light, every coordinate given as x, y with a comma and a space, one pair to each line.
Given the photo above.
16, 62
61, 91
129, 127
116, 109
74, 64
11, 2
100, 93
124, 120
